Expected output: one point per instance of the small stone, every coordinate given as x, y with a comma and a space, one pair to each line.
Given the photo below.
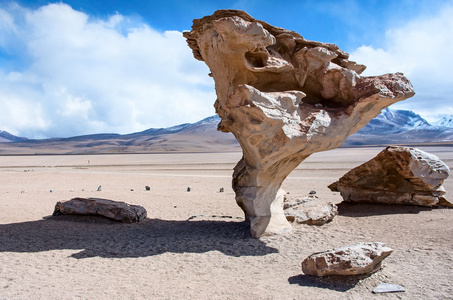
189, 189
71, 190
22, 192
312, 193
221, 190
148, 188
52, 191
99, 188
132, 190
388, 288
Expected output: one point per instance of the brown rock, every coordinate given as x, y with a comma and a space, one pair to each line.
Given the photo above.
362, 258
397, 175
283, 98
115, 210
311, 211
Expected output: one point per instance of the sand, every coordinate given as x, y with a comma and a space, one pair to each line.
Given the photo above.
210, 256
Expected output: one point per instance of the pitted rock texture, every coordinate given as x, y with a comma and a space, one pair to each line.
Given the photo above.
397, 175
116, 210
361, 258
283, 98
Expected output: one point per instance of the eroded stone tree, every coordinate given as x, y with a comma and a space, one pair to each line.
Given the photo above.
283, 98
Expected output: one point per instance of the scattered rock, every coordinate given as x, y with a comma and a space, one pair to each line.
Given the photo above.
71, 190
312, 193
310, 211
147, 188
262, 74
388, 288
52, 191
362, 258
22, 192
132, 190
99, 188
189, 189
397, 175
116, 210
221, 190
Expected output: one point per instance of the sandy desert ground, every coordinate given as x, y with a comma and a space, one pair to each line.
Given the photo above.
212, 255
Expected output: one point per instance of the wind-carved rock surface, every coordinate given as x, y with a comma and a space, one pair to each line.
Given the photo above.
283, 98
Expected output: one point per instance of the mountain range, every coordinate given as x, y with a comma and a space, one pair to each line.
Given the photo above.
391, 127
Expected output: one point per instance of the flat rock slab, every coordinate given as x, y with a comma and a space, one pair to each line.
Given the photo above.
310, 210
116, 210
388, 288
362, 258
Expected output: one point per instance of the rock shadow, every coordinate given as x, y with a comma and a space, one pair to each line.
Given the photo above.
337, 283
98, 236
355, 210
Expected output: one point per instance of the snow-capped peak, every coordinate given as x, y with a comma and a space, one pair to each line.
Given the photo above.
446, 121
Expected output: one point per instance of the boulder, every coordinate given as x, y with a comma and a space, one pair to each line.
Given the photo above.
116, 210
283, 97
397, 175
362, 258
310, 210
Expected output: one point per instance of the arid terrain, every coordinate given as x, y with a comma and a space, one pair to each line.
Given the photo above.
195, 245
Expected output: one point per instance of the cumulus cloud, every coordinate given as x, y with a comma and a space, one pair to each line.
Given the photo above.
421, 49
70, 74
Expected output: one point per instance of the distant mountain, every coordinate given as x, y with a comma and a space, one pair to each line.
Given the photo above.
201, 136
391, 127
446, 121
6, 137
394, 121
398, 127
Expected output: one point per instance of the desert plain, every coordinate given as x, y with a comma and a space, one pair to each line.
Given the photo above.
196, 245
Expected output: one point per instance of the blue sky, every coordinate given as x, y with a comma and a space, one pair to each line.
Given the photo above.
78, 67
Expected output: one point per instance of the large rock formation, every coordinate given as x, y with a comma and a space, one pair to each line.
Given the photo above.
397, 175
283, 98
362, 258
116, 210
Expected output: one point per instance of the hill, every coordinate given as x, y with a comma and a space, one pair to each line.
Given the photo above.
391, 127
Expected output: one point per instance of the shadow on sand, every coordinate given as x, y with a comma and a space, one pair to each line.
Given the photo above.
98, 236
357, 210
337, 283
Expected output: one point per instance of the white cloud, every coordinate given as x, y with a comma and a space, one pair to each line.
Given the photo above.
422, 50
83, 75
